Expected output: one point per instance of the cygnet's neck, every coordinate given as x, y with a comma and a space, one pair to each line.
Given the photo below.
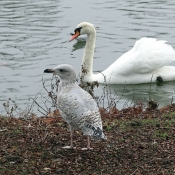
87, 62
68, 82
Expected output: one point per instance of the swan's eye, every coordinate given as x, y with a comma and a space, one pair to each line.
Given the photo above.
78, 29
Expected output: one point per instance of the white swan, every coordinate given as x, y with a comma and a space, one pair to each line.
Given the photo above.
146, 61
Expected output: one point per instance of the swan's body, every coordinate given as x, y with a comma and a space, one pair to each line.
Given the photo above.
146, 61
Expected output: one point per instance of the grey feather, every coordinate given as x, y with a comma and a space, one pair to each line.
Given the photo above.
79, 110
76, 106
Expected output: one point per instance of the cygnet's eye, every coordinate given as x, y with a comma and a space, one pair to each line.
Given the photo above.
61, 70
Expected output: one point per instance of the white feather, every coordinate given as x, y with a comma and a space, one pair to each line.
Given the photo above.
148, 59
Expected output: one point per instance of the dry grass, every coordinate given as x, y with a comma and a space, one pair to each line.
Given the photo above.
139, 142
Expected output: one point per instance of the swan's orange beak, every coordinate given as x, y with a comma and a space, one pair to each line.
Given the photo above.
77, 33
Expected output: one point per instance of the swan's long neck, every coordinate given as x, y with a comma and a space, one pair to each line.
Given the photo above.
87, 62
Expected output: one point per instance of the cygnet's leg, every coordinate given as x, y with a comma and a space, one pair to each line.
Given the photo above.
88, 144
71, 139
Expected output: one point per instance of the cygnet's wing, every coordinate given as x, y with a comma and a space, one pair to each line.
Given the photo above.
79, 109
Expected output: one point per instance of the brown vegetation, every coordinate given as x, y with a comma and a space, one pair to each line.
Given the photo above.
139, 142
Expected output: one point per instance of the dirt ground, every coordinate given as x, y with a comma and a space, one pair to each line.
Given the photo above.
138, 142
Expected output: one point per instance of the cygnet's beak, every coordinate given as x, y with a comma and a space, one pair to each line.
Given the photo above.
48, 71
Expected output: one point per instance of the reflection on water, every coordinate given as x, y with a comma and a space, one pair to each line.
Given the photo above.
78, 45
35, 35
142, 92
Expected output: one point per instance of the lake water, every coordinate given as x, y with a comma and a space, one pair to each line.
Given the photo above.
35, 35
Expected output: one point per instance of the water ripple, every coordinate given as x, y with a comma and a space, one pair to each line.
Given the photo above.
34, 35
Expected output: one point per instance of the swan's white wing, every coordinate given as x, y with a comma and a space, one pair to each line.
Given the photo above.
146, 56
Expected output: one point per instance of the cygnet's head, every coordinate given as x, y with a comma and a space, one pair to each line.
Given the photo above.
65, 71
83, 28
